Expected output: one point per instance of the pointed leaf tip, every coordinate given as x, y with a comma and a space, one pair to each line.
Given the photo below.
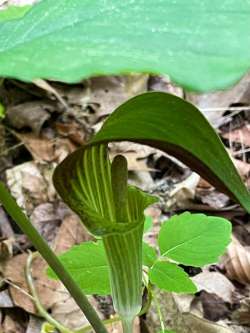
168, 123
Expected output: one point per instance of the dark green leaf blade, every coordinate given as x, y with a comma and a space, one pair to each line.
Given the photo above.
199, 44
170, 277
194, 239
175, 126
88, 266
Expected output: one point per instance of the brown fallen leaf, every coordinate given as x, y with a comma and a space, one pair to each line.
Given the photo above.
15, 273
13, 324
214, 104
183, 314
66, 311
30, 183
46, 219
215, 283
70, 233
105, 94
43, 149
210, 302
30, 114
237, 262
194, 324
72, 130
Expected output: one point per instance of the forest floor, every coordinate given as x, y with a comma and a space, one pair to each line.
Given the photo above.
42, 124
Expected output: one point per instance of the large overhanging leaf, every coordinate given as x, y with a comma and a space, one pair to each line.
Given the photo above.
200, 44
175, 126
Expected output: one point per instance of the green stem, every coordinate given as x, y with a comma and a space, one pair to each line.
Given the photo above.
147, 305
127, 325
158, 308
26, 226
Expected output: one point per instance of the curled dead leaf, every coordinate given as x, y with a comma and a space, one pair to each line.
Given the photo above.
237, 262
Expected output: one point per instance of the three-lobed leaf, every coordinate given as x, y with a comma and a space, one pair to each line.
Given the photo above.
87, 263
190, 239
199, 44
194, 239
170, 277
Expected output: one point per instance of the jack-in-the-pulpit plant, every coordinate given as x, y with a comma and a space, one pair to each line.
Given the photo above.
98, 192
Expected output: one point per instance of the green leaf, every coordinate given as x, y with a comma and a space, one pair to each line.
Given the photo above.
87, 263
194, 239
13, 12
175, 126
170, 277
149, 255
166, 331
148, 223
199, 44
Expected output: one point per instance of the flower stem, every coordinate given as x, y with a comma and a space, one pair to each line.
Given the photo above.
127, 325
124, 254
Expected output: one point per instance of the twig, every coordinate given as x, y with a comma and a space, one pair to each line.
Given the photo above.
18, 288
6, 151
225, 108
41, 310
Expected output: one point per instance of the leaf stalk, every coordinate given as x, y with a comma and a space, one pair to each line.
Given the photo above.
41, 245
